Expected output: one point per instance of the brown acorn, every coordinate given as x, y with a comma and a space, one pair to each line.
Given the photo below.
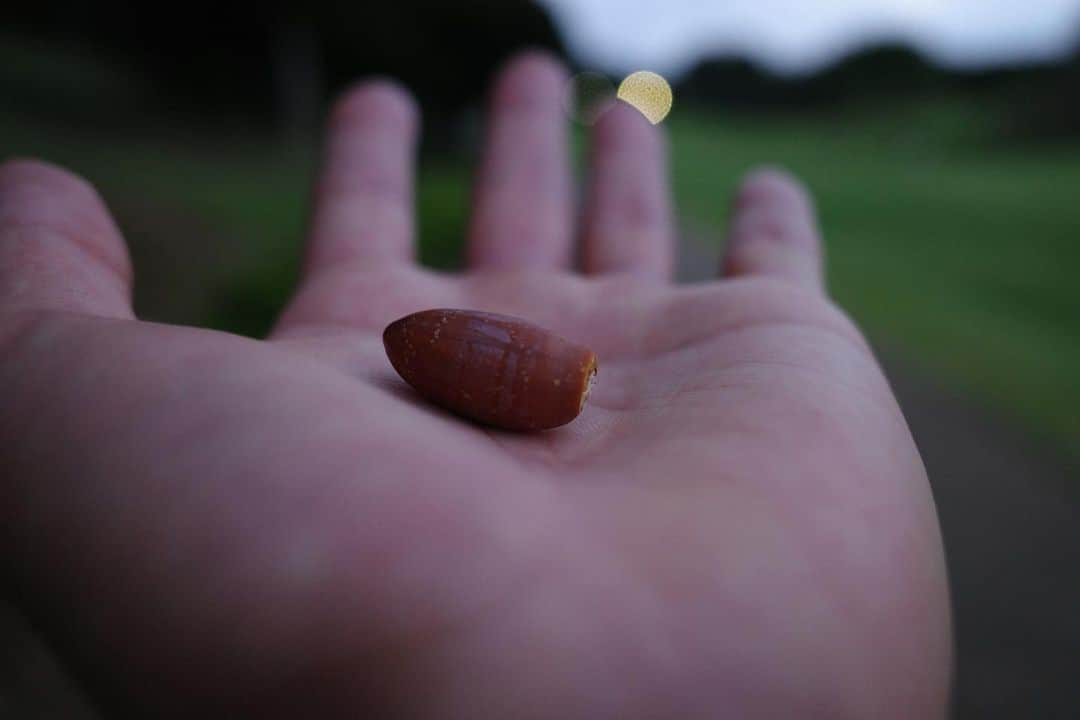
494, 369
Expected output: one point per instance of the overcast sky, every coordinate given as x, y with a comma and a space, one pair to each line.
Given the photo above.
668, 36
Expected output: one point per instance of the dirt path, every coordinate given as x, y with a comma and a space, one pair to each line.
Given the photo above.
1010, 513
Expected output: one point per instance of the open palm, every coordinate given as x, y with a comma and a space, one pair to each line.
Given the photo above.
738, 525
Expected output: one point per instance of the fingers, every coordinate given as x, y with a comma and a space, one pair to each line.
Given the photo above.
59, 247
522, 208
363, 212
774, 231
362, 224
628, 225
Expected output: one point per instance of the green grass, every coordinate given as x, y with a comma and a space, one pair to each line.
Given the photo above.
959, 253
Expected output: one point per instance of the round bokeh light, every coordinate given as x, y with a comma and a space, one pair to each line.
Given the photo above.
649, 93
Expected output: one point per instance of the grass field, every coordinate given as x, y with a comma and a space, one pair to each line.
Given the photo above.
960, 254
957, 253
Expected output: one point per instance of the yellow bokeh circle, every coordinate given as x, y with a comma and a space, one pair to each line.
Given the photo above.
649, 93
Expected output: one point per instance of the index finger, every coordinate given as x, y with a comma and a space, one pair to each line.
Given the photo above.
363, 210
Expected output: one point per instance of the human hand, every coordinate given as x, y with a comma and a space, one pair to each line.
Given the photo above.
738, 525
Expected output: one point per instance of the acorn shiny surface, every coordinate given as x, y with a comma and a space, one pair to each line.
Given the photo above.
494, 369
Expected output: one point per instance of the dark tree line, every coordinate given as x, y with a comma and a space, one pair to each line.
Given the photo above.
280, 62
251, 57
1036, 100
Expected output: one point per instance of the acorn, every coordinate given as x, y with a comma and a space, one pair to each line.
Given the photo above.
494, 369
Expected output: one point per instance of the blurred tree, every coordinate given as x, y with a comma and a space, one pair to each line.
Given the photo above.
874, 73
884, 71
264, 59
1046, 104
734, 82
1025, 101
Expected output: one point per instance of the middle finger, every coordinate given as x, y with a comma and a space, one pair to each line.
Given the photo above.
522, 206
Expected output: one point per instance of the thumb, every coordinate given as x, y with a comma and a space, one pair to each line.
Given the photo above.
59, 247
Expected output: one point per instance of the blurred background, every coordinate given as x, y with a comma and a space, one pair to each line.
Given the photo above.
940, 137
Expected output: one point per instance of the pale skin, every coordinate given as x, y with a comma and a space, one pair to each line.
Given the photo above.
738, 525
